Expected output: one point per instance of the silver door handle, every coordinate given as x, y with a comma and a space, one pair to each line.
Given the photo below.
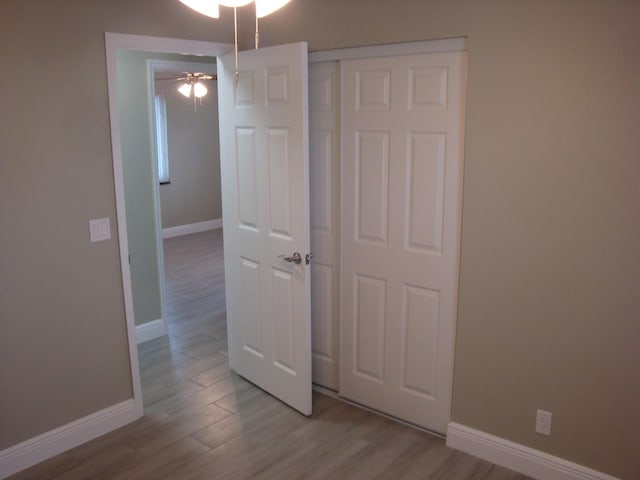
295, 258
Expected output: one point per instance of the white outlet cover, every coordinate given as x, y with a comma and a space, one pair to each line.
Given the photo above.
543, 422
100, 229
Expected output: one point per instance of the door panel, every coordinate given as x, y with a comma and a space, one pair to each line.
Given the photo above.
424, 187
371, 186
265, 182
324, 159
401, 198
370, 320
420, 307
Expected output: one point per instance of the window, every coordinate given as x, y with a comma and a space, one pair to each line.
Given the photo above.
162, 154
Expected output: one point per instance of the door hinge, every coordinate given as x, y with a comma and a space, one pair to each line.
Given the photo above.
308, 257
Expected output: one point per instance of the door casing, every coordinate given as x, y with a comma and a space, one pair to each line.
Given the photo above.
113, 43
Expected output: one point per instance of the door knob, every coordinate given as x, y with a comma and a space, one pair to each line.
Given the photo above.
295, 258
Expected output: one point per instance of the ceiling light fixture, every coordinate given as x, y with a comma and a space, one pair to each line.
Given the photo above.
199, 90
185, 89
205, 7
192, 84
211, 8
234, 3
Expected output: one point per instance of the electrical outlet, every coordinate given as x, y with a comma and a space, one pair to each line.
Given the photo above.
543, 422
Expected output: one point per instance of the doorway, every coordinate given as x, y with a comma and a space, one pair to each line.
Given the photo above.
187, 156
140, 245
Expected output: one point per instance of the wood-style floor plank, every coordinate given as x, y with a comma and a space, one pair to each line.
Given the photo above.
202, 421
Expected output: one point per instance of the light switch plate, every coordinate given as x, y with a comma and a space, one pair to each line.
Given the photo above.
100, 229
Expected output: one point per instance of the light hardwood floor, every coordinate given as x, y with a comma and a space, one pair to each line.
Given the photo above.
204, 422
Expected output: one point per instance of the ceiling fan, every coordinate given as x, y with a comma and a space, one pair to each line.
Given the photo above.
192, 82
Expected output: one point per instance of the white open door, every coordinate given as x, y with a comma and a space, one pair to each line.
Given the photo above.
265, 190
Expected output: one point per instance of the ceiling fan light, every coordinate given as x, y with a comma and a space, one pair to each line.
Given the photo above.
199, 90
234, 3
266, 7
185, 89
210, 8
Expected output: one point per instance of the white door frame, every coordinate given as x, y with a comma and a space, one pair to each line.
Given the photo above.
405, 48
113, 43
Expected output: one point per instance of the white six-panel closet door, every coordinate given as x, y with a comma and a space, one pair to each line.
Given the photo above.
402, 140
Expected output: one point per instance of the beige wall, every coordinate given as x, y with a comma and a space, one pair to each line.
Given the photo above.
548, 315
63, 347
194, 158
548, 310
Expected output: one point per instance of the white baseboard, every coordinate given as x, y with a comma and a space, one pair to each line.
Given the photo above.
514, 456
149, 331
170, 232
54, 442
